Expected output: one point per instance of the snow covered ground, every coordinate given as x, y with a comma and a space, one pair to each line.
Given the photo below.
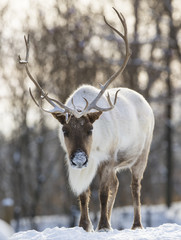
163, 232
159, 223
122, 218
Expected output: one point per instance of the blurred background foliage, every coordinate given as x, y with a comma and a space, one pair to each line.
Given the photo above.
70, 46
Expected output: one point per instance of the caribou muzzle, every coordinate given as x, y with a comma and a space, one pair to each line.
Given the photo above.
79, 159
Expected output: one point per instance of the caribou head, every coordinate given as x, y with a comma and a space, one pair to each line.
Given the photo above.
78, 137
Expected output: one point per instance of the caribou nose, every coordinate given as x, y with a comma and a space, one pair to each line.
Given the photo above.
79, 159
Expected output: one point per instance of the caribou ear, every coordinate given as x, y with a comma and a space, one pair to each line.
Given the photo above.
94, 116
59, 117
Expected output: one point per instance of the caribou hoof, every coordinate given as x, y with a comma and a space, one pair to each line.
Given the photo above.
88, 227
137, 226
104, 230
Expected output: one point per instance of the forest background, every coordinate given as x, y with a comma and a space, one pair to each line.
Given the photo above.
70, 46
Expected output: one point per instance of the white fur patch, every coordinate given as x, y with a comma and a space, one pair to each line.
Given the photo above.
80, 179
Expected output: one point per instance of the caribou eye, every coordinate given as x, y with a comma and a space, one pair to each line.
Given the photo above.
65, 132
89, 132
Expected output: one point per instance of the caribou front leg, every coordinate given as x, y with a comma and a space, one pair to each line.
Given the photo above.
85, 221
108, 190
114, 184
104, 224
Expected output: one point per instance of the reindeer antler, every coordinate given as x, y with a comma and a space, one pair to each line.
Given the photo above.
93, 104
59, 107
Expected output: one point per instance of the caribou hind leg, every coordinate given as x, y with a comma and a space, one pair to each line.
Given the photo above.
85, 221
136, 189
137, 174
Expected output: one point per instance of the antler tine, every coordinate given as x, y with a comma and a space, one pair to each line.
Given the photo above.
27, 51
27, 43
86, 103
104, 109
44, 95
54, 110
123, 21
33, 98
93, 105
25, 62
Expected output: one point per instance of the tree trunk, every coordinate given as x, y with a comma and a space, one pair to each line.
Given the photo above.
169, 129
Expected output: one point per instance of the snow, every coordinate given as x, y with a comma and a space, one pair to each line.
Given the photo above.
160, 223
42, 222
152, 216
163, 232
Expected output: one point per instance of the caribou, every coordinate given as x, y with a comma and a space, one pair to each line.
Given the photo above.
102, 131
